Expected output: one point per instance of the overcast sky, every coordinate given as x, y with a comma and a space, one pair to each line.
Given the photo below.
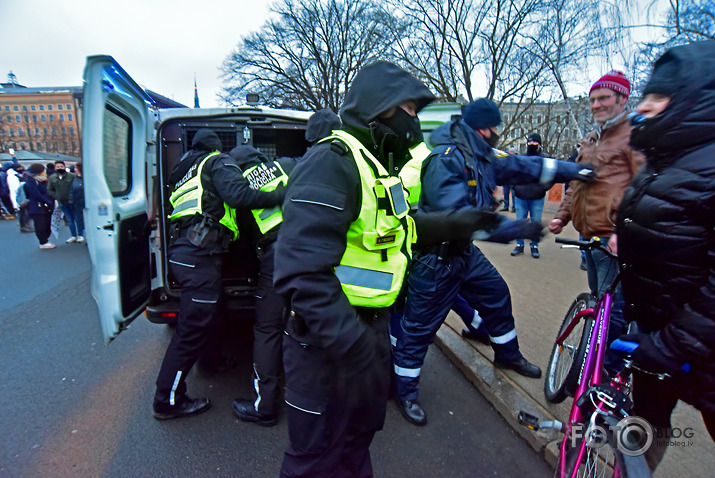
160, 43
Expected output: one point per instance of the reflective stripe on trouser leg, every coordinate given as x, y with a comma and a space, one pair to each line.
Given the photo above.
172, 395
432, 287
256, 380
486, 291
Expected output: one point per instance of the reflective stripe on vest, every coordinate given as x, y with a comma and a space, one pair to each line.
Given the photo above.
379, 241
266, 177
187, 198
411, 171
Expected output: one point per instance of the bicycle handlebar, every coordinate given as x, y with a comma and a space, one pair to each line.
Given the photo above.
629, 347
594, 243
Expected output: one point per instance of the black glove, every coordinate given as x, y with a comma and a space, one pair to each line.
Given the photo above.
586, 172
652, 355
508, 230
435, 228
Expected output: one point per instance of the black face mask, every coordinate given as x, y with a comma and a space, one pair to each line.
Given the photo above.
532, 150
396, 135
492, 140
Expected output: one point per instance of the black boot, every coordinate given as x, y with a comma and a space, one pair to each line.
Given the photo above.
245, 411
520, 366
412, 411
187, 407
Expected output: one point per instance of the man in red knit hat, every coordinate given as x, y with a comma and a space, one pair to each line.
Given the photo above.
592, 207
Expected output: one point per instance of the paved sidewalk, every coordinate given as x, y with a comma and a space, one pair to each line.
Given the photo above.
542, 290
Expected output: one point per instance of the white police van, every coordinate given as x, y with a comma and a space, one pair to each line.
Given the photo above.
130, 148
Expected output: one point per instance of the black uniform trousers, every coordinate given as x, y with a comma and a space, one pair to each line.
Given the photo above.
335, 406
267, 336
199, 274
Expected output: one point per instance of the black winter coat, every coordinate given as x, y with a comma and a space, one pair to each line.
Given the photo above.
666, 226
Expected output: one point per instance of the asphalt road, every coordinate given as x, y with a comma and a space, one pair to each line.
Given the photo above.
72, 406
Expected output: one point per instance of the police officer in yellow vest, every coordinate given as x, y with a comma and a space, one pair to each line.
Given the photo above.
207, 188
263, 408
341, 256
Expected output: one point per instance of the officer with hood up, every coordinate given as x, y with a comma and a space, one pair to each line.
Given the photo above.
341, 256
207, 187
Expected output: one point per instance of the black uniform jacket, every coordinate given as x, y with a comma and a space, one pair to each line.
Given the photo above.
322, 200
666, 225
224, 182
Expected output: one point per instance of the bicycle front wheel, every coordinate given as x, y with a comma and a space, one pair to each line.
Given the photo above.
566, 360
602, 456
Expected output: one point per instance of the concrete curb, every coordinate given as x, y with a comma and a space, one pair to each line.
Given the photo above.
504, 394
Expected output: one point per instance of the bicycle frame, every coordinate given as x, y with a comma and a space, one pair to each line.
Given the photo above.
593, 365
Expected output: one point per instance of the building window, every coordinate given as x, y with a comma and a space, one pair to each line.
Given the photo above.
69, 116
47, 145
72, 130
24, 107
69, 107
44, 118
52, 117
42, 107
538, 119
59, 107
37, 131
12, 132
64, 130
7, 108
62, 117
34, 118
26, 118
16, 108
39, 146
32, 107
22, 146
20, 132
9, 118
49, 107
17, 118
506, 118
44, 131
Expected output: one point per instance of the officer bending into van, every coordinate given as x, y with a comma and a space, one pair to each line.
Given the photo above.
207, 187
341, 257
268, 329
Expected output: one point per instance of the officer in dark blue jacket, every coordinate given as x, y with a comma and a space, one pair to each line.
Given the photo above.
462, 172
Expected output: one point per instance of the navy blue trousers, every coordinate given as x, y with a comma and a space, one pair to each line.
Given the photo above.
432, 287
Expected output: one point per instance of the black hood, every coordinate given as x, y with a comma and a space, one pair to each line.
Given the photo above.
320, 125
688, 122
375, 89
247, 156
206, 140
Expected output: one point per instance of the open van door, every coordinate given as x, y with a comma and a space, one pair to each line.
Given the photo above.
117, 128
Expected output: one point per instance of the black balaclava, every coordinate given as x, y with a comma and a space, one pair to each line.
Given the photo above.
396, 135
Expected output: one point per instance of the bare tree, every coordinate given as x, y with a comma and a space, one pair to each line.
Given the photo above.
307, 54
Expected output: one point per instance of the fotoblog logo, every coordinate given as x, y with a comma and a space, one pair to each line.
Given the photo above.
633, 436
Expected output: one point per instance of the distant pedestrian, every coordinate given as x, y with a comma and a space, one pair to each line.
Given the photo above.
529, 198
59, 187
77, 200
22, 202
5, 198
40, 204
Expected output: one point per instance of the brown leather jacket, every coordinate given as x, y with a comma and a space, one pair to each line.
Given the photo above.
592, 207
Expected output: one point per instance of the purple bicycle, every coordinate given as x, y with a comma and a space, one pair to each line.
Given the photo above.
601, 438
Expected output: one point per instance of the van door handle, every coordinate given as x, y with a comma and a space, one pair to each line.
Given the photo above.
108, 227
